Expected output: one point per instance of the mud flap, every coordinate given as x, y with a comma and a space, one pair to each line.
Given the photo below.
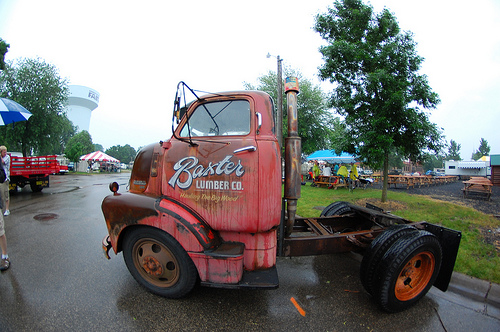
450, 241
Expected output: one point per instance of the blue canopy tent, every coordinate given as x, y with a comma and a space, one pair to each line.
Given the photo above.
332, 157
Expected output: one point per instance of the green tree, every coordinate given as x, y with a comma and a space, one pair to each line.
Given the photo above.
395, 160
125, 153
483, 150
38, 87
378, 89
431, 161
453, 151
79, 145
4, 48
316, 123
65, 130
98, 147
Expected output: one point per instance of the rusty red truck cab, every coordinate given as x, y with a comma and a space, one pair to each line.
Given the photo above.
207, 206
214, 187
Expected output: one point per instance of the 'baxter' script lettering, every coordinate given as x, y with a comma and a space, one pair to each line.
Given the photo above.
189, 166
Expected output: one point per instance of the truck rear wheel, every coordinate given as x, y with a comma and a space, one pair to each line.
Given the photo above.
35, 188
407, 271
336, 209
159, 263
376, 251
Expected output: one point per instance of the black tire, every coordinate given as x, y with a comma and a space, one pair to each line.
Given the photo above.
408, 270
159, 263
336, 209
325, 211
376, 251
35, 188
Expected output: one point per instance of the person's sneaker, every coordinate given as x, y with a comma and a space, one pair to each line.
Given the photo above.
4, 264
6, 213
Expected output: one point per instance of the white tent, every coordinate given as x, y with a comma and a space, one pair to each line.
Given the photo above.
99, 156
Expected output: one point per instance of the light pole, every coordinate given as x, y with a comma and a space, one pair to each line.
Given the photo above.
279, 112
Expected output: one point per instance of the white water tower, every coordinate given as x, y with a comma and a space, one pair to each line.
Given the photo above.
82, 101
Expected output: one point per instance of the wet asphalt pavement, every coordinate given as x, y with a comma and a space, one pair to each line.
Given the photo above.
60, 280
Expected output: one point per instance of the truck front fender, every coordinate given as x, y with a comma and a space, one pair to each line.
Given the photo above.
124, 211
187, 221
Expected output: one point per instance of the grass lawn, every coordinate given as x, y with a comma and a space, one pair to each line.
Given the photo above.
479, 252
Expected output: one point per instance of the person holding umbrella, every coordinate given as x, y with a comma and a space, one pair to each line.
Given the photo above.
10, 112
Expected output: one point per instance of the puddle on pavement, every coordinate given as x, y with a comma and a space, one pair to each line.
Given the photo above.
44, 217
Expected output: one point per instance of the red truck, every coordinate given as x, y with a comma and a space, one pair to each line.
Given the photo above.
34, 171
206, 206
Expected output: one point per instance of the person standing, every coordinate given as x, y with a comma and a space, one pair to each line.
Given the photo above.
335, 168
316, 170
343, 173
327, 170
4, 187
5, 261
353, 175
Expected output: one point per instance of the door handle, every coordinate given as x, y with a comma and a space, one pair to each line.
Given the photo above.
250, 148
259, 121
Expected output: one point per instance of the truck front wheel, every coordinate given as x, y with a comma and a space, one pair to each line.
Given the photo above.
407, 271
159, 263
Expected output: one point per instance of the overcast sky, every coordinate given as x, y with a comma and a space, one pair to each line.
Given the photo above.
135, 52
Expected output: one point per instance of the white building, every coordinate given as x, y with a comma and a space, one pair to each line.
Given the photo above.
82, 101
467, 168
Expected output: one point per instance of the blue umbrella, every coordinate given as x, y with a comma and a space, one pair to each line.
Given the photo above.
11, 112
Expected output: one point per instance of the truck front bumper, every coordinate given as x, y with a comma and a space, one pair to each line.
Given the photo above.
106, 246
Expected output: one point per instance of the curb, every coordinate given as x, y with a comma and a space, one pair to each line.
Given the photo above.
476, 289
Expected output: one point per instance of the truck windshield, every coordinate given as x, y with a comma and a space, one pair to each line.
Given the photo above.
222, 118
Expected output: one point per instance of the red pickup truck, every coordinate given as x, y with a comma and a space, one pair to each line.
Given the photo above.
34, 171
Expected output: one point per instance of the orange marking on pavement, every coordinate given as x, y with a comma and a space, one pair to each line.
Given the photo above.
301, 311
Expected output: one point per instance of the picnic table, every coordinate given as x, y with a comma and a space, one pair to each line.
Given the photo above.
422, 180
330, 181
377, 177
445, 179
477, 186
407, 180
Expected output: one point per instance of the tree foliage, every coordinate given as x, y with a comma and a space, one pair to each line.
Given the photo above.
98, 147
37, 86
483, 150
453, 151
378, 89
125, 153
4, 48
79, 145
316, 124
431, 161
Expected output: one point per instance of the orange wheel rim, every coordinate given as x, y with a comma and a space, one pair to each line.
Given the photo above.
415, 276
156, 263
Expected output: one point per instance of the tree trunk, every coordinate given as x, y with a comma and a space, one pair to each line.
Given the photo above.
386, 177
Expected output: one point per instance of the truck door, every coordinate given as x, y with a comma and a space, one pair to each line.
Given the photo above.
212, 164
